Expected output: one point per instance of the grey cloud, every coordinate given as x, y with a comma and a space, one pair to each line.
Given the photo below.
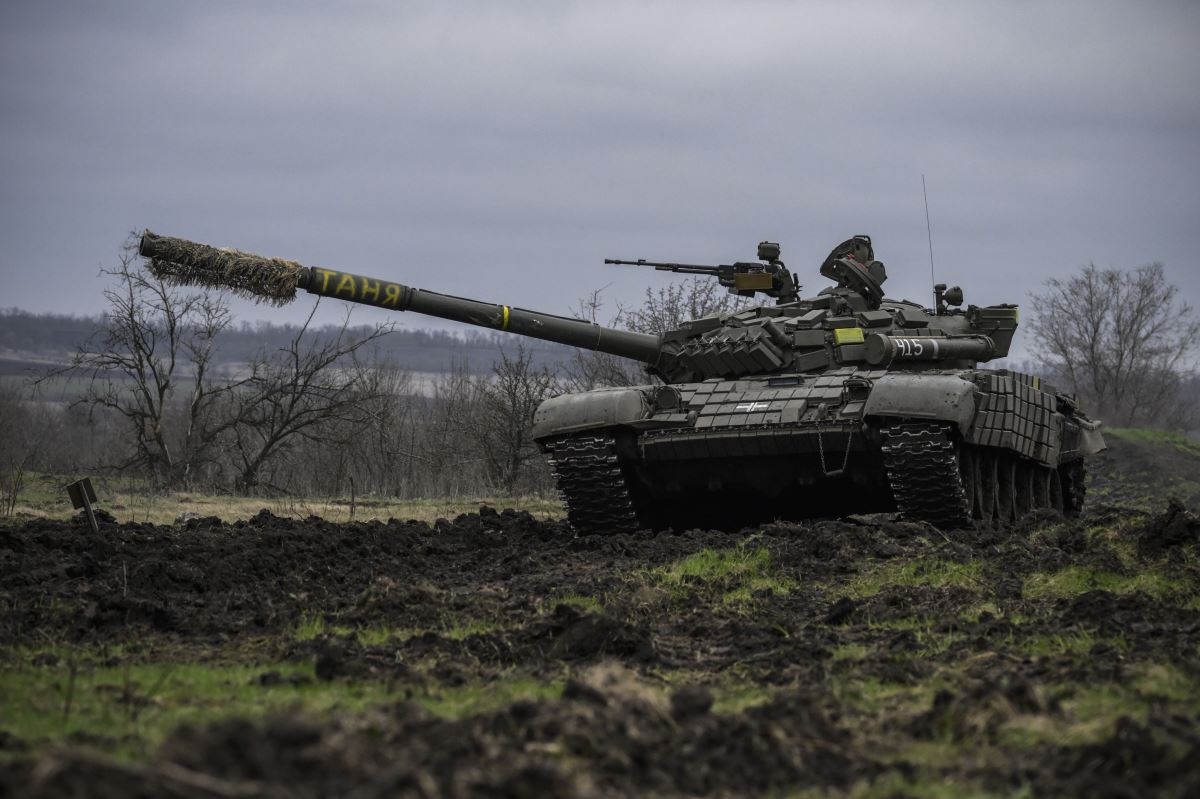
502, 150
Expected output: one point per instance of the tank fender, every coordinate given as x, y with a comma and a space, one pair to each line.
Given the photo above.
604, 407
923, 396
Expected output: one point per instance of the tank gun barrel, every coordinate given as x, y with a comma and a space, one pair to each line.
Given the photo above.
276, 280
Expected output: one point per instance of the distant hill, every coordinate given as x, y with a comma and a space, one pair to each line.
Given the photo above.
46, 339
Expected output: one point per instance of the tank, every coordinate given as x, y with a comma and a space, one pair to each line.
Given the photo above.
843, 403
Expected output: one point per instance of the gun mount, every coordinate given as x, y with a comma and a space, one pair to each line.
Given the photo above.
766, 276
846, 402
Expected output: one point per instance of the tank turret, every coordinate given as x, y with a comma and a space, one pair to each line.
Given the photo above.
846, 402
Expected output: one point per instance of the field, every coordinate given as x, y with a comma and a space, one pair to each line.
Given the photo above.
497, 654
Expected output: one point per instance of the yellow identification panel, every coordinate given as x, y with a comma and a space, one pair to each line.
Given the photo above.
753, 281
848, 335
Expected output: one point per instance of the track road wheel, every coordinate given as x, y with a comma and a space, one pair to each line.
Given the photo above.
1023, 493
1071, 476
970, 465
1041, 486
987, 485
1056, 490
1006, 489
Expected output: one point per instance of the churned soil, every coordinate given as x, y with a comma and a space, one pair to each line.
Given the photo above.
844, 614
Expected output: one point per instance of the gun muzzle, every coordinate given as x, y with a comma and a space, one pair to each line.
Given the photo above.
257, 277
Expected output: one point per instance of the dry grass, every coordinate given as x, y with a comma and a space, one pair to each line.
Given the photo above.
45, 497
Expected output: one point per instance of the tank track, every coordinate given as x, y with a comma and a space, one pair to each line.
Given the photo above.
950, 484
1074, 487
923, 470
587, 472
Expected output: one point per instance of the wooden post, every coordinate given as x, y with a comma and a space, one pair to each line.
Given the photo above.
82, 496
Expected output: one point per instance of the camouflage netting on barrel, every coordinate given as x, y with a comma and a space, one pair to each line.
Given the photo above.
253, 276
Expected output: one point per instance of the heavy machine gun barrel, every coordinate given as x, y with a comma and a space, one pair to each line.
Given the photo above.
276, 280
660, 266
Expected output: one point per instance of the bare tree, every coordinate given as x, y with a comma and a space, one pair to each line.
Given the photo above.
297, 393
154, 342
670, 306
661, 310
1124, 341
24, 428
504, 423
588, 369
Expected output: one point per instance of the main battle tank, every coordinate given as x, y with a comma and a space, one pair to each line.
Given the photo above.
846, 402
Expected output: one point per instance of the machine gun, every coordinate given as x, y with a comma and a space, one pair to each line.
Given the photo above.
744, 278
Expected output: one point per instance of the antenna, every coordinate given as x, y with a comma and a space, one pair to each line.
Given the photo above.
929, 233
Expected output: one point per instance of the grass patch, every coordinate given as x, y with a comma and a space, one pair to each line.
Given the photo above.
130, 500
1166, 681
1090, 712
737, 573
1076, 643
1146, 435
127, 710
312, 627
974, 613
459, 629
1075, 580
896, 783
582, 601
932, 572
736, 697
732, 693
872, 696
930, 642
308, 628
850, 652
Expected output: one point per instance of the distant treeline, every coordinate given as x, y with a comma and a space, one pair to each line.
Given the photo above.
53, 337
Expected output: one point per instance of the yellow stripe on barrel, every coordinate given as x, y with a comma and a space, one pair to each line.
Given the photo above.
504, 324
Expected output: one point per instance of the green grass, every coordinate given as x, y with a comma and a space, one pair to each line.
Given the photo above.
1075, 643
736, 697
897, 784
581, 601
931, 572
738, 573
1146, 435
872, 696
931, 643
850, 652
1090, 712
132, 707
1075, 580
314, 626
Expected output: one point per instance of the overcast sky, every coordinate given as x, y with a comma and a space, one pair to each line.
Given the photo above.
502, 150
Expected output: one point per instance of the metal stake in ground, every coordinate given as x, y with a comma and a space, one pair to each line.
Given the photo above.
82, 496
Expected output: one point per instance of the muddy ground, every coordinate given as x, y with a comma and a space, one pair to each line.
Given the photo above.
863, 656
